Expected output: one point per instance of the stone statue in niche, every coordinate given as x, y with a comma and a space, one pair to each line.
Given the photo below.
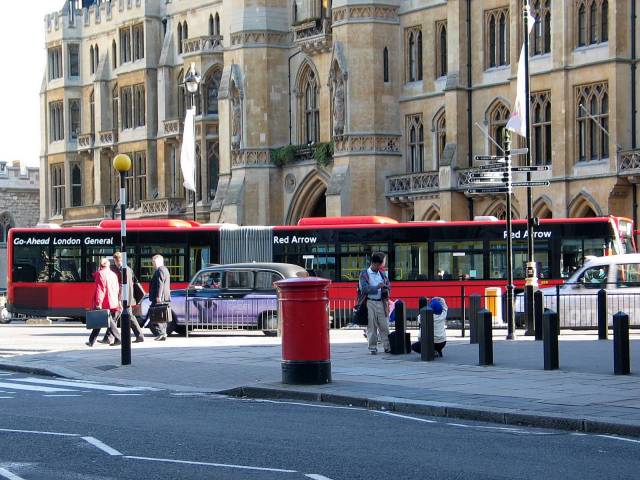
236, 111
338, 107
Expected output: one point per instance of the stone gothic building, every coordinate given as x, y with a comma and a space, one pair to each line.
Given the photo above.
19, 191
343, 107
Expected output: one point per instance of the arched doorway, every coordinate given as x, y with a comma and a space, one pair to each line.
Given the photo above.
309, 200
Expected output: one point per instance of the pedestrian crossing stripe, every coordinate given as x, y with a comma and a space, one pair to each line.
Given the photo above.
54, 386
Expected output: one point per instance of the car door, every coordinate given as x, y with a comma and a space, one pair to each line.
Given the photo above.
579, 299
626, 297
203, 297
265, 299
234, 308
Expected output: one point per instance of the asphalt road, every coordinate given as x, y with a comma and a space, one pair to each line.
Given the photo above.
71, 430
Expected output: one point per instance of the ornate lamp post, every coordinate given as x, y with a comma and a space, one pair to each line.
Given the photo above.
122, 164
192, 82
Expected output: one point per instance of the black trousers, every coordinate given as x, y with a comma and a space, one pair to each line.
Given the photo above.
112, 330
162, 328
135, 327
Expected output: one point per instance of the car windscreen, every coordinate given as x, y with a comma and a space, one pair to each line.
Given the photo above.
208, 279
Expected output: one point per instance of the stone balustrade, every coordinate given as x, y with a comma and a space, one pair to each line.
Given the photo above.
162, 207
313, 36
108, 138
412, 184
172, 128
629, 162
204, 44
85, 141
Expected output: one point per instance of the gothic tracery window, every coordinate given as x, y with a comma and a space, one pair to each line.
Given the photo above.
498, 117
440, 131
6, 222
592, 121
212, 85
541, 34
415, 131
413, 42
441, 48
311, 112
592, 22
541, 128
496, 37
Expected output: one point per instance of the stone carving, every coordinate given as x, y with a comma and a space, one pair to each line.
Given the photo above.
629, 162
290, 183
236, 119
338, 108
370, 144
262, 37
365, 12
250, 158
412, 184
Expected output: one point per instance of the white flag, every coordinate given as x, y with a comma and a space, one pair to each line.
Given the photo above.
517, 123
188, 152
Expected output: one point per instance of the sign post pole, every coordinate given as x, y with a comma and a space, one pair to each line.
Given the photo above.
510, 288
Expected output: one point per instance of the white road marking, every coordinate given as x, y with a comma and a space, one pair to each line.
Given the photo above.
8, 475
36, 432
124, 394
33, 388
622, 439
315, 476
62, 395
79, 384
6, 397
208, 464
424, 420
102, 446
333, 407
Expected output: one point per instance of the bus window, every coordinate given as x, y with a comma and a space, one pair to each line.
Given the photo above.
411, 261
31, 263
174, 260
573, 251
199, 257
66, 264
498, 259
93, 255
355, 257
323, 263
455, 260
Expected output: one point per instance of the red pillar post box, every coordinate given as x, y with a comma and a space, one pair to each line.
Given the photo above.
304, 313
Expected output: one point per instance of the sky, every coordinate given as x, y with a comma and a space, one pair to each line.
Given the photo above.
23, 59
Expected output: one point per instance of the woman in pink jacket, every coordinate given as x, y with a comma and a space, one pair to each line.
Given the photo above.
106, 298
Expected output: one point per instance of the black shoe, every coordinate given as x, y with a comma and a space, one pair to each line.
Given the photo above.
104, 341
88, 344
387, 350
139, 339
116, 343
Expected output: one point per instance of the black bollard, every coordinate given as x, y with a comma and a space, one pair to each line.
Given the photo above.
485, 337
400, 347
427, 350
474, 308
538, 300
621, 364
530, 308
550, 332
603, 327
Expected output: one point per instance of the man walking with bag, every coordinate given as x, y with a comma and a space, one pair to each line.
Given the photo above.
159, 293
374, 289
106, 298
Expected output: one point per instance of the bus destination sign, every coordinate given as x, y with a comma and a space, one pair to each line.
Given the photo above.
63, 241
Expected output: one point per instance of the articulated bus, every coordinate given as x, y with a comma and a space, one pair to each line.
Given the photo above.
52, 268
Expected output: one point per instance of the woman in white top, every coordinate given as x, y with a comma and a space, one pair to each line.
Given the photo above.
439, 307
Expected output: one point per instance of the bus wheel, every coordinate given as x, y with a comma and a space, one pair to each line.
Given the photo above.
268, 323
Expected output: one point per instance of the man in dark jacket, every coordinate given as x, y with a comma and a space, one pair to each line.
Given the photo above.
374, 289
159, 292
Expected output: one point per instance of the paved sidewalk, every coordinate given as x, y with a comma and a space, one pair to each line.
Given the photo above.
584, 395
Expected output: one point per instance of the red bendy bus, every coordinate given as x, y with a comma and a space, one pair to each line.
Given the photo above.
51, 269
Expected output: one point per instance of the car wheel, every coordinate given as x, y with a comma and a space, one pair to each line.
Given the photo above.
269, 324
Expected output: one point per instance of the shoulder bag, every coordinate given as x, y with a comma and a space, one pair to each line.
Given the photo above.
361, 313
138, 292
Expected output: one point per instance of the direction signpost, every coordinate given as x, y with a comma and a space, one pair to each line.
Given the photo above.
497, 178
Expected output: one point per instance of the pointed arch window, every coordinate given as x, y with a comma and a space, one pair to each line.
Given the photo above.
440, 131
92, 112
179, 38
115, 110
496, 27
592, 112
310, 109
592, 22
6, 222
498, 117
441, 48
114, 55
541, 34
217, 25
212, 86
413, 55
92, 60
415, 128
57, 188
541, 128
211, 25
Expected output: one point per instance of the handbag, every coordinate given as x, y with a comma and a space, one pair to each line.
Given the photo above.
138, 292
160, 313
361, 314
97, 319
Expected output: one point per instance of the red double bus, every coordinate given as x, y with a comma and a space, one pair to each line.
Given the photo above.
51, 269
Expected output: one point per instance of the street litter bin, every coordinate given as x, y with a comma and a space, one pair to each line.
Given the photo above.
304, 313
493, 302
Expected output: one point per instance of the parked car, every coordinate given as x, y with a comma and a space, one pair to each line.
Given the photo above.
618, 275
232, 296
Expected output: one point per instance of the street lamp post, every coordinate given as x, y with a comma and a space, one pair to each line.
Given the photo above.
192, 82
511, 335
122, 164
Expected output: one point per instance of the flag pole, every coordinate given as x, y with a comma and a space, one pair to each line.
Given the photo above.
532, 277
